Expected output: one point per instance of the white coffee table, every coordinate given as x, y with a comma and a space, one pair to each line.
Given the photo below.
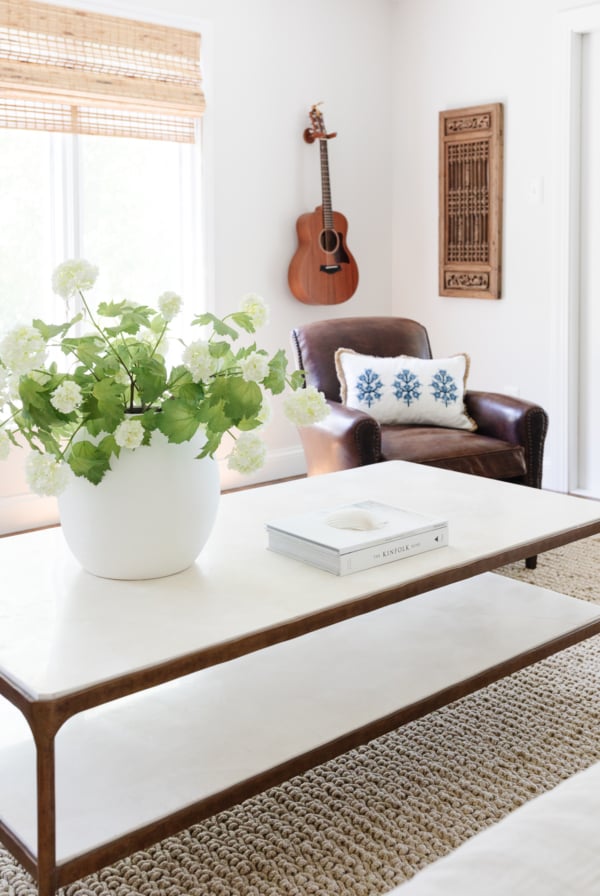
155, 704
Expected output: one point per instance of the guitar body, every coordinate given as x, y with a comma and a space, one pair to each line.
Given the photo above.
322, 271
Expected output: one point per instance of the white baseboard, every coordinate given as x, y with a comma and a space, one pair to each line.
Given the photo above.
279, 465
19, 513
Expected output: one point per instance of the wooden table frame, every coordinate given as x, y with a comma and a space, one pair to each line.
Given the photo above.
45, 717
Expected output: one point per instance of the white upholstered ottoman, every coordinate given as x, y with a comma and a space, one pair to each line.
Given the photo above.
548, 847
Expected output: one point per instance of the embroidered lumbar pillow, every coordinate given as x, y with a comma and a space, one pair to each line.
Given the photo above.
406, 390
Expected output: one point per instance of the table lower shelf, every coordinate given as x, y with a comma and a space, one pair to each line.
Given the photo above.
219, 735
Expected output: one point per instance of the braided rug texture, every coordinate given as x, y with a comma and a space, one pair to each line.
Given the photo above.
361, 824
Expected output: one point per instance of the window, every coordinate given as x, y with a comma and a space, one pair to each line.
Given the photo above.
78, 185
130, 206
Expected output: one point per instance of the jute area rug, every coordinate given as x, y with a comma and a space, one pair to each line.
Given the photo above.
363, 823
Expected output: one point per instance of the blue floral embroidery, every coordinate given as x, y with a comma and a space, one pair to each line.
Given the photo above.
407, 387
369, 387
444, 388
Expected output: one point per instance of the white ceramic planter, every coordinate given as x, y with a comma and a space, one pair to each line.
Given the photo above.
149, 517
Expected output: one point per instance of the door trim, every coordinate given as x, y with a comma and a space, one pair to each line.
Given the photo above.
571, 26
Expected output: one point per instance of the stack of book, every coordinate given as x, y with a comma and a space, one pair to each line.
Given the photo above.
354, 537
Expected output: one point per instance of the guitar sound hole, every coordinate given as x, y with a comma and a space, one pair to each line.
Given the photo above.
329, 241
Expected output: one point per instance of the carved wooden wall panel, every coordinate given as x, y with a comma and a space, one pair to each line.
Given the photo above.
470, 225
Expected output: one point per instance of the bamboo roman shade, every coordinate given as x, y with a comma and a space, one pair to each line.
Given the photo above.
81, 72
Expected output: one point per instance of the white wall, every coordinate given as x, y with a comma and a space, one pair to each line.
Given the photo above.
267, 62
454, 53
272, 60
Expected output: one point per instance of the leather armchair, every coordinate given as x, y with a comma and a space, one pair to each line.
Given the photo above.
508, 443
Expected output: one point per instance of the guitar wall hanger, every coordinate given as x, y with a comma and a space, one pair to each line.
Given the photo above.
322, 272
311, 134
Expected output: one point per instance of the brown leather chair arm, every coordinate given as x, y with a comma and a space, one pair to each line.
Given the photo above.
512, 420
347, 438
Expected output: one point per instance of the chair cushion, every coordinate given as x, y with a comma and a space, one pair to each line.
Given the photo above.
403, 389
454, 449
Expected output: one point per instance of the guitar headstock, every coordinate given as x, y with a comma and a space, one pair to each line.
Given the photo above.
318, 122
317, 130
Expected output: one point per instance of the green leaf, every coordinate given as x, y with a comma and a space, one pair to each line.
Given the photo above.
218, 325
109, 396
178, 420
219, 349
11, 438
192, 392
50, 443
132, 317
275, 380
37, 408
297, 379
150, 421
95, 424
90, 461
150, 379
247, 424
158, 324
213, 440
103, 408
241, 400
203, 319
131, 351
244, 320
214, 418
180, 375
113, 309
108, 367
49, 331
87, 349
249, 350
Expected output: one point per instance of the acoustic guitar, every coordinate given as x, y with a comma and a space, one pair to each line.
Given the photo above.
322, 271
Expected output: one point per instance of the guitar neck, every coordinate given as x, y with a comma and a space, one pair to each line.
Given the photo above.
325, 187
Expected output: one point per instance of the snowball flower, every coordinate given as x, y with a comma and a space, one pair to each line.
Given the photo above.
13, 388
129, 434
122, 377
199, 361
256, 308
4, 386
306, 406
255, 367
46, 475
4, 444
264, 415
22, 349
170, 304
66, 397
248, 454
72, 276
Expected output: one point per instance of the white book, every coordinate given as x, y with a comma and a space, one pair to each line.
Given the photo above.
315, 537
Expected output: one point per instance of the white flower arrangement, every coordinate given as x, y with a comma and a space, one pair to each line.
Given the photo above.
116, 388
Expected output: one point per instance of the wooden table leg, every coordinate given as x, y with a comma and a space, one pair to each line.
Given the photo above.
44, 735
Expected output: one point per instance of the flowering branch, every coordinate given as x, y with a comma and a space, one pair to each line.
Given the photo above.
120, 389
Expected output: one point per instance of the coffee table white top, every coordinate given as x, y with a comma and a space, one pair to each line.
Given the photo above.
62, 629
